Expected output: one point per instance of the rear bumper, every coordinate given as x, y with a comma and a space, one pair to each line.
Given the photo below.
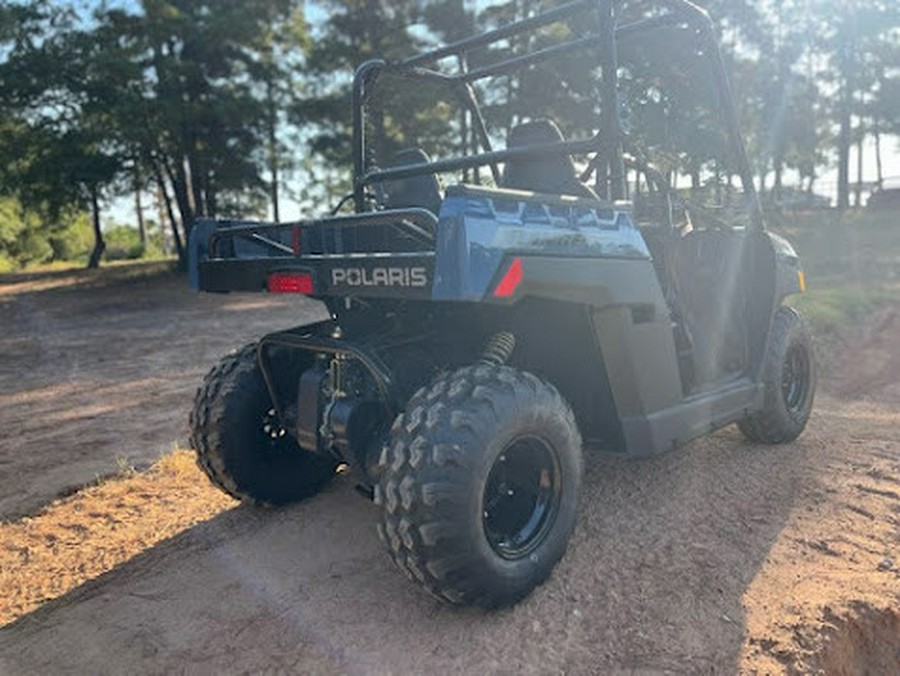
405, 275
344, 255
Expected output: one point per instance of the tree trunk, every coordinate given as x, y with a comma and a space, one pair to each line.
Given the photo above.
178, 179
717, 177
176, 237
879, 176
99, 244
139, 209
209, 191
159, 201
194, 173
777, 185
695, 179
273, 147
857, 193
843, 195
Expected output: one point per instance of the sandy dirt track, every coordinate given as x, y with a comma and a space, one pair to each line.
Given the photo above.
97, 370
721, 557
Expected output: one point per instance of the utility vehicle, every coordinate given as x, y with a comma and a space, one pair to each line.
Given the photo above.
484, 334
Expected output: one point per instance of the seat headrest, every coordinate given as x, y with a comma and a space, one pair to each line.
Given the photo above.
533, 133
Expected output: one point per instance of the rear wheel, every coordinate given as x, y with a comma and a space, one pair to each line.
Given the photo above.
789, 378
241, 445
479, 485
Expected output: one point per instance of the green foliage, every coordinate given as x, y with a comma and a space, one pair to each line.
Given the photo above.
205, 95
852, 267
75, 241
123, 243
186, 94
830, 311
26, 238
355, 31
20, 238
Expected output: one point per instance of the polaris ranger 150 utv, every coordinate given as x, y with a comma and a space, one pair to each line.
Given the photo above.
482, 334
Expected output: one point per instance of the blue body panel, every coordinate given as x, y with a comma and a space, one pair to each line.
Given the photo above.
478, 228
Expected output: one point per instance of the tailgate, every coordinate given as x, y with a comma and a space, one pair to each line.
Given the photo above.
385, 253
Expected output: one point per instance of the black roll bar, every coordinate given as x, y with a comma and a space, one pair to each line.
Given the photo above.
471, 161
611, 171
466, 44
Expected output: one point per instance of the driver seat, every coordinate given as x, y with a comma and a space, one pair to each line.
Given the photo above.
552, 172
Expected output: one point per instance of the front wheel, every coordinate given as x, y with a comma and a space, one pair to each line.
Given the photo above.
479, 485
789, 379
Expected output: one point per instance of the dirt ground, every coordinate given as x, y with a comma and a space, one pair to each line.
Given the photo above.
717, 558
97, 370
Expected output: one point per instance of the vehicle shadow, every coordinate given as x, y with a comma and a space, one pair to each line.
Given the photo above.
653, 580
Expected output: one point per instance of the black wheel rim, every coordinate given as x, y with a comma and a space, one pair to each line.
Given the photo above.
795, 379
521, 497
274, 436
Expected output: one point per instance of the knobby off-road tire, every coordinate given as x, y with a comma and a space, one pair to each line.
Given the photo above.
239, 443
479, 485
789, 378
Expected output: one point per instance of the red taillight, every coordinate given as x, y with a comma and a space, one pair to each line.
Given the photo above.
290, 282
511, 280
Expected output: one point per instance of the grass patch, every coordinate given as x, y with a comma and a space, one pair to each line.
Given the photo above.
852, 265
858, 250
97, 529
833, 310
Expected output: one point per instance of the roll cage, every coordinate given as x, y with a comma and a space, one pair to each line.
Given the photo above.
607, 145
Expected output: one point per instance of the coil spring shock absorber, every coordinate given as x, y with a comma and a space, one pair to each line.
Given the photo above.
498, 349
